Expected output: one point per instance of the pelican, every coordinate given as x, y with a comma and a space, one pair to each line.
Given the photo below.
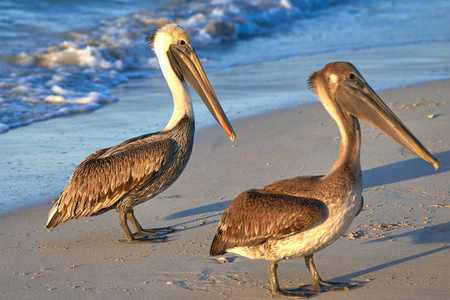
297, 217
140, 168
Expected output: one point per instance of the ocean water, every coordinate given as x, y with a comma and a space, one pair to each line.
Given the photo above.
63, 57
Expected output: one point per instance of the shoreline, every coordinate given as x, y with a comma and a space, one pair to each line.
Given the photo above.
397, 248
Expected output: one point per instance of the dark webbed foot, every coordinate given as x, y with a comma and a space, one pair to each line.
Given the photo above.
291, 294
154, 231
325, 286
143, 239
154, 235
306, 291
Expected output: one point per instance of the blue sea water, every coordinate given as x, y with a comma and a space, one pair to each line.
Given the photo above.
63, 57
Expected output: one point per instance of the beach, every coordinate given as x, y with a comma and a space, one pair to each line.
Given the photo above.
397, 248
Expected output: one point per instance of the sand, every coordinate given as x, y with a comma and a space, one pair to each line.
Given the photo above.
397, 248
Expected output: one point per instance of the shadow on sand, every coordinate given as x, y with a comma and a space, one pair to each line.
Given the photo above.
405, 170
391, 263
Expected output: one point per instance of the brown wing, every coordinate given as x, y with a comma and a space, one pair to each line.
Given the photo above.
107, 175
254, 217
305, 186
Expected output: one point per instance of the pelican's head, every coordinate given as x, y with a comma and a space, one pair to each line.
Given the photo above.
172, 44
343, 90
168, 35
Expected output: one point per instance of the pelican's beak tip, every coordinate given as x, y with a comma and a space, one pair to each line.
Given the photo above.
233, 137
436, 164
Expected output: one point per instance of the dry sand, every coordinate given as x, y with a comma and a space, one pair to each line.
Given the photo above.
397, 248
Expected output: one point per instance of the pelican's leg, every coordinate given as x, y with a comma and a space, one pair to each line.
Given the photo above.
123, 217
319, 285
275, 287
140, 230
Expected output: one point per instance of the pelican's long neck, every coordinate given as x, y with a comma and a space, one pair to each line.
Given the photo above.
180, 93
349, 151
348, 159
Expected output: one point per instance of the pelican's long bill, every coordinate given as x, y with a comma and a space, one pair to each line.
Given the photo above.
358, 98
185, 63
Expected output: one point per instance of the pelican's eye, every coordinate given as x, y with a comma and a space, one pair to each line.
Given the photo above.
182, 42
352, 76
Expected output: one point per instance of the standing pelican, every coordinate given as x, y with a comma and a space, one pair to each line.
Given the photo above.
300, 216
136, 170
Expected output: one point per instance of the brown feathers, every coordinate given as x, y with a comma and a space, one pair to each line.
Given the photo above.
123, 176
254, 217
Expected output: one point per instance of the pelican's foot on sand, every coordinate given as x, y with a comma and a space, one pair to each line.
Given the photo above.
322, 287
155, 231
139, 238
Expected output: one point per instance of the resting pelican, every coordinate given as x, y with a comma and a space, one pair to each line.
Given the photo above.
300, 216
136, 170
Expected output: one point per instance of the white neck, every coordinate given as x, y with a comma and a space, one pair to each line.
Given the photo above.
180, 93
